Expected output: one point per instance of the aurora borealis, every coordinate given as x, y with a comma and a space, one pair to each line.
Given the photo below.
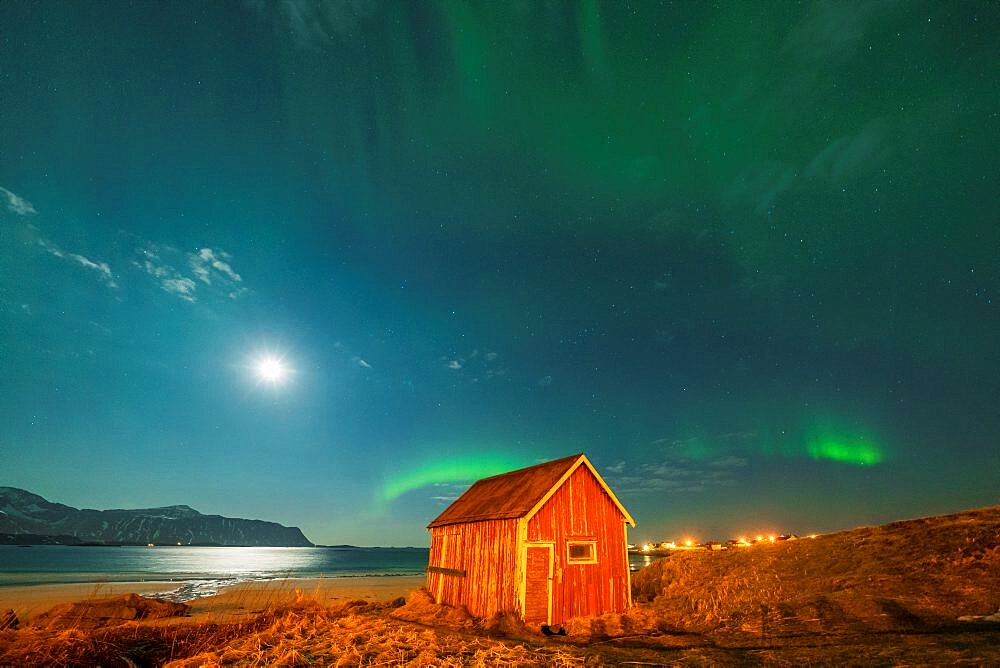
746, 256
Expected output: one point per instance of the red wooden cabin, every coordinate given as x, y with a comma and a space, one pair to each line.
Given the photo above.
547, 542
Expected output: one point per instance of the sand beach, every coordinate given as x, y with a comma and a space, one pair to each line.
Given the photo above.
243, 599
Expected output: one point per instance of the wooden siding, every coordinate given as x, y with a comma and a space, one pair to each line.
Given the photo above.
487, 552
581, 510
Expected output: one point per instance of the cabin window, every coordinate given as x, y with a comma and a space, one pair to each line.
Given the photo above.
581, 552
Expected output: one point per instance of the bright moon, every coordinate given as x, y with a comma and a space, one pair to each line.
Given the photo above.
272, 370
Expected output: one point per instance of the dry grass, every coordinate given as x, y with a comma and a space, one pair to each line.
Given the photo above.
302, 632
915, 575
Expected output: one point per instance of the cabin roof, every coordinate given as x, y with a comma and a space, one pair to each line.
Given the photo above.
515, 494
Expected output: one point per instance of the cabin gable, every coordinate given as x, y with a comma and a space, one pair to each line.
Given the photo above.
586, 528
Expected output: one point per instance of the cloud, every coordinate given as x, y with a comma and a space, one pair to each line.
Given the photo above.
762, 183
205, 260
830, 35
447, 499
475, 366
102, 268
849, 155
17, 204
168, 278
837, 164
208, 269
545, 381
360, 362
182, 287
831, 32
729, 462
675, 475
51, 248
315, 23
615, 468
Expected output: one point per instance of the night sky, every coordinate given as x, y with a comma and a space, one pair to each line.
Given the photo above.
745, 256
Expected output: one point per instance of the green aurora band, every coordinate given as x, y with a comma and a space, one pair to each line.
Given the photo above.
451, 470
859, 452
819, 440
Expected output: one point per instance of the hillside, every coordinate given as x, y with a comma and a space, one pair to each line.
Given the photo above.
22, 512
908, 575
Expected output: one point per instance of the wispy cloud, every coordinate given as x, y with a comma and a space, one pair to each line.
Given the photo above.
545, 381
675, 475
849, 155
446, 492
475, 366
183, 273
361, 362
316, 23
168, 278
837, 164
16, 203
23, 207
182, 287
102, 268
729, 462
207, 262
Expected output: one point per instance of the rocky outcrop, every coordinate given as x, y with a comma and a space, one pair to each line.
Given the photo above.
22, 512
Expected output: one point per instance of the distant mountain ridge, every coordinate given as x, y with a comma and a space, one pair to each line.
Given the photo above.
22, 512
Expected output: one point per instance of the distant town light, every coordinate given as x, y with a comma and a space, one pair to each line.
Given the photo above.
689, 542
771, 538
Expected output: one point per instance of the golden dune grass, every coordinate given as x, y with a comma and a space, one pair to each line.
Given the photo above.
911, 575
300, 632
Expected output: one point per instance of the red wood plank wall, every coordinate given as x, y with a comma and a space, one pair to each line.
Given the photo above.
580, 509
486, 552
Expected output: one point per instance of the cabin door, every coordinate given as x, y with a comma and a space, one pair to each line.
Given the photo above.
538, 584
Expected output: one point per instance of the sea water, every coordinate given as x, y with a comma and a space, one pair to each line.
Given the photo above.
199, 571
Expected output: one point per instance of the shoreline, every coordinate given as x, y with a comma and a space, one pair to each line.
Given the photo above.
231, 601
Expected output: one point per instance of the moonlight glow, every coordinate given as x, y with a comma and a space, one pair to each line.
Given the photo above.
272, 370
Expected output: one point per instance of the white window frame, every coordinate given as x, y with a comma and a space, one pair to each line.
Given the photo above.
570, 561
